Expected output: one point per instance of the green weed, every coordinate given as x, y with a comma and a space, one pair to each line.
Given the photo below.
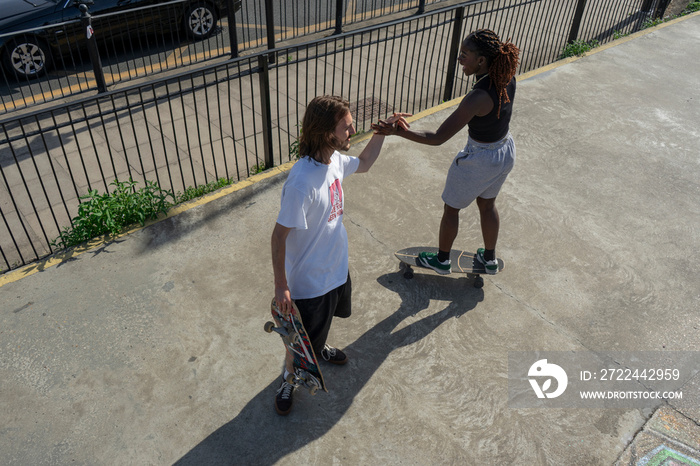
294, 146
259, 168
691, 8
651, 22
113, 212
578, 48
193, 193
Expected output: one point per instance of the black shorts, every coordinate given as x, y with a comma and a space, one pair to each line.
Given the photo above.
317, 313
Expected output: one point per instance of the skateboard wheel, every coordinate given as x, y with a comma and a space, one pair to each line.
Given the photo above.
313, 390
478, 282
291, 379
269, 326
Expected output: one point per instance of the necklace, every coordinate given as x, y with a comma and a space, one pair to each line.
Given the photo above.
477, 81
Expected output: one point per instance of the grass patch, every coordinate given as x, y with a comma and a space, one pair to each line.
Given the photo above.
193, 193
579, 47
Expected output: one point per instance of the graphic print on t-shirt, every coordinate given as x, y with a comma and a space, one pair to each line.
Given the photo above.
336, 193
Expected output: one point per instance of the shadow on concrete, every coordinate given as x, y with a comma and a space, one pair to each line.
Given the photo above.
175, 228
257, 435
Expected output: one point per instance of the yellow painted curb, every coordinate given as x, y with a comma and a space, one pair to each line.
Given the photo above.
72, 253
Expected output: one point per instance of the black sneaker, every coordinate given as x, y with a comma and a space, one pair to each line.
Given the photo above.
284, 398
334, 355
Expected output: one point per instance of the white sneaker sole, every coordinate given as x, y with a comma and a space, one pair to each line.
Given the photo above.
490, 269
425, 264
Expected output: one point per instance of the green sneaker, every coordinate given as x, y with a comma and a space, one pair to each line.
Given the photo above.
430, 260
490, 266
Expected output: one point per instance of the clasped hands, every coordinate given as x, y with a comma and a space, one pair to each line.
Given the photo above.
392, 124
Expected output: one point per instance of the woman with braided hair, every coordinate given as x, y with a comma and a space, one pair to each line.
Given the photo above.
480, 169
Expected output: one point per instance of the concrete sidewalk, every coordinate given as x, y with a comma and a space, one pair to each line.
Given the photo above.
150, 349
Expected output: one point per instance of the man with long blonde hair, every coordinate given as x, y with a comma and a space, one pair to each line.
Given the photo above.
309, 241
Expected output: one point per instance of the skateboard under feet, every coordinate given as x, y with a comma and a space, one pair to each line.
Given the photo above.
462, 262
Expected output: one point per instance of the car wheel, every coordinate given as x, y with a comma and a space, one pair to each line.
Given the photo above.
27, 57
200, 20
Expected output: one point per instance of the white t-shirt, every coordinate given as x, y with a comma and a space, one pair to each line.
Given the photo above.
316, 259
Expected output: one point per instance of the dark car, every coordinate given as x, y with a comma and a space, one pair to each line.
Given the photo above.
34, 34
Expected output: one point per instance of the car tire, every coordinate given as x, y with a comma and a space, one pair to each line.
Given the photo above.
200, 20
27, 57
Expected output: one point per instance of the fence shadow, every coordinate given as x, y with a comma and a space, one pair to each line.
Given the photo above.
257, 435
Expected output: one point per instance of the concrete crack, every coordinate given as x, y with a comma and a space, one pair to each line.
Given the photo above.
539, 314
371, 234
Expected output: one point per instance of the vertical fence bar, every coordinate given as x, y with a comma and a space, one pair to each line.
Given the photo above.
232, 29
576, 24
661, 8
454, 51
338, 17
266, 109
270, 25
647, 6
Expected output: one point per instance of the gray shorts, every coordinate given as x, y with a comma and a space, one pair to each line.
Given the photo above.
479, 170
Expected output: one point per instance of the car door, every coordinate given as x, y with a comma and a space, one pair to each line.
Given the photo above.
115, 19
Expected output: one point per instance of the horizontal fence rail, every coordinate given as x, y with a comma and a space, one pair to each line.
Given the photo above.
228, 119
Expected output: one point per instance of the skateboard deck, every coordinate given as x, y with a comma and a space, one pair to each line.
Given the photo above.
462, 262
307, 372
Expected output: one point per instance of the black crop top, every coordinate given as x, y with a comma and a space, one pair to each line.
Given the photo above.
489, 128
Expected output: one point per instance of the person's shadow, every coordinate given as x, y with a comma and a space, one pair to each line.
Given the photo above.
257, 435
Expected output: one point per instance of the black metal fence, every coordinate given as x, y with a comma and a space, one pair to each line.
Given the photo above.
143, 42
146, 41
279, 20
225, 119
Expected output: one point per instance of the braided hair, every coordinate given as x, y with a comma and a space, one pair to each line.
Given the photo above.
502, 58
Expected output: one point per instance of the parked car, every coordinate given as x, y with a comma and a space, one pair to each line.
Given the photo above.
34, 34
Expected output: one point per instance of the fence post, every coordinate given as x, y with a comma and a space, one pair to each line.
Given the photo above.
576, 24
454, 52
270, 24
86, 22
266, 109
232, 32
338, 17
421, 7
